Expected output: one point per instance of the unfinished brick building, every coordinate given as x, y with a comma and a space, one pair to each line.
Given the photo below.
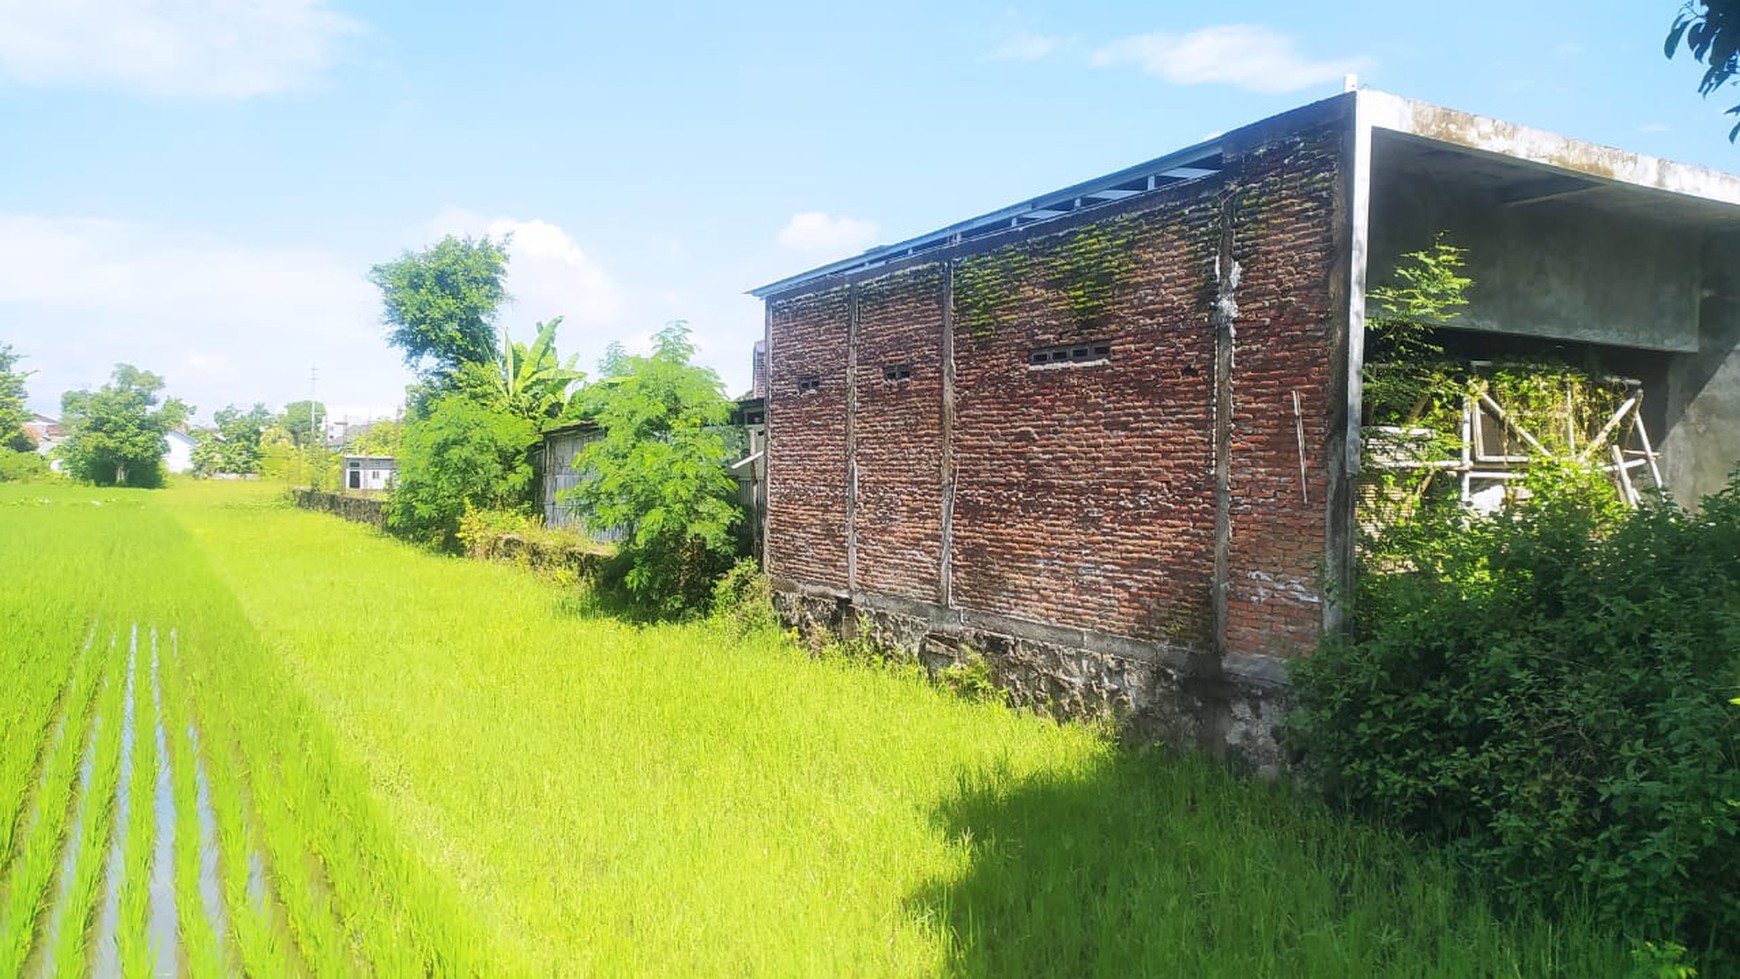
1108, 437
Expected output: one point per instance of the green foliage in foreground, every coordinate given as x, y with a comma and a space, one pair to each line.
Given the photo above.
1549, 691
1711, 32
532, 382
696, 800
657, 476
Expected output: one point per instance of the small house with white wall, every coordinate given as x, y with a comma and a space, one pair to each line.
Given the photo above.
368, 472
178, 457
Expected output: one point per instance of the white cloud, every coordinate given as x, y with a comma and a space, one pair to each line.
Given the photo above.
211, 48
821, 234
1246, 56
1024, 45
222, 321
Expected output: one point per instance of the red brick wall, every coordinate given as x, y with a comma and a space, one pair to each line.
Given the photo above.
806, 444
898, 431
1085, 493
1284, 241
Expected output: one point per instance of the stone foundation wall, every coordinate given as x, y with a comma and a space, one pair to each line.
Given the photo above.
357, 509
1150, 691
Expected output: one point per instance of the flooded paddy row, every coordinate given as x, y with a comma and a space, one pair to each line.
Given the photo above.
126, 851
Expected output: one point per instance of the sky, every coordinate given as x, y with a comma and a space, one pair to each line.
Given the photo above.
199, 187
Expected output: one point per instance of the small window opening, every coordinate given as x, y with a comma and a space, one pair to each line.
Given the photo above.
895, 373
809, 385
1076, 353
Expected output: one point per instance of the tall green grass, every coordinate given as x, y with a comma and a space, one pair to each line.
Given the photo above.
671, 800
449, 768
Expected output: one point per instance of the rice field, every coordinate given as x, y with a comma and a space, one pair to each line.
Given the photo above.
167, 807
243, 739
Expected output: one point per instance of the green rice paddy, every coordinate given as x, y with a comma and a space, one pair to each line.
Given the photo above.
244, 739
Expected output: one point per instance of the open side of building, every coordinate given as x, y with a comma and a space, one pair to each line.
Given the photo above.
1108, 438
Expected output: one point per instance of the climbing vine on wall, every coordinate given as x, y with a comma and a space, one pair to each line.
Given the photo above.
1085, 266
1088, 266
986, 285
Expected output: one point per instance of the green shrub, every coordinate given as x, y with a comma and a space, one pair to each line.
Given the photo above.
462, 456
21, 467
657, 476
743, 599
1548, 690
970, 677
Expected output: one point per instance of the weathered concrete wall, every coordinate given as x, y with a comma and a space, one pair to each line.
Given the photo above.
1546, 269
1703, 396
1076, 522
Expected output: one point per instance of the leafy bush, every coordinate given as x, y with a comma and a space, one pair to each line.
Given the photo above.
743, 599
461, 455
971, 677
21, 467
1549, 690
657, 475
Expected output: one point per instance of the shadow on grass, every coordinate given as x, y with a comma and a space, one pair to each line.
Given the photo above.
1154, 865
594, 600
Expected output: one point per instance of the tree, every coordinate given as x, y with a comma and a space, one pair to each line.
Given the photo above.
462, 455
208, 452
13, 413
379, 439
302, 419
278, 455
530, 382
115, 435
1713, 38
439, 304
658, 473
234, 445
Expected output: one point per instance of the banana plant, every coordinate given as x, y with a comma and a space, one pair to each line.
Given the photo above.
528, 381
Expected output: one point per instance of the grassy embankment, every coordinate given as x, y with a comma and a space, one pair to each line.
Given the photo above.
421, 762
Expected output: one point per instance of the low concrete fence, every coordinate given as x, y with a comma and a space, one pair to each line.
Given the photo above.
360, 509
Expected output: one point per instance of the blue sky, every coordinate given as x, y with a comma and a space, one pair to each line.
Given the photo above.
199, 187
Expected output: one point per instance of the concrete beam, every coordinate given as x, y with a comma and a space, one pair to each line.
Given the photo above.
1386, 111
